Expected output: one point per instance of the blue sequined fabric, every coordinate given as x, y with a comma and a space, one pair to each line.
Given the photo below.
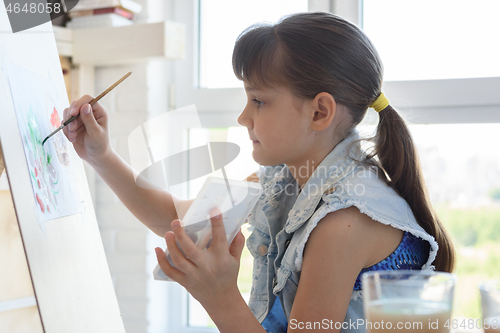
411, 254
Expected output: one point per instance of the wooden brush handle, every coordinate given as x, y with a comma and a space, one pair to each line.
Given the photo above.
95, 100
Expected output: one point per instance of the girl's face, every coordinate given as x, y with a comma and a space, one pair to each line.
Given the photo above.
278, 125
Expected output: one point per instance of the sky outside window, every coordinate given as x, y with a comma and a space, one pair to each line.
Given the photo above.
429, 39
221, 22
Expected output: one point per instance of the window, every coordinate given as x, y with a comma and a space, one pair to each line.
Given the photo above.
447, 115
462, 170
205, 77
461, 167
439, 75
221, 21
426, 39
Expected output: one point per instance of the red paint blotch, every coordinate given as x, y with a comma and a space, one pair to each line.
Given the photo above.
40, 202
54, 119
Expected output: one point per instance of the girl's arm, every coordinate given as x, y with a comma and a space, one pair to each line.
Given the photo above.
155, 208
89, 133
90, 137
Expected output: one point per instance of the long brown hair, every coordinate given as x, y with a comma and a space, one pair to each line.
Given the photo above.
320, 52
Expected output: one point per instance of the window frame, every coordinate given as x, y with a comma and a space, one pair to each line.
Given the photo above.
424, 101
474, 100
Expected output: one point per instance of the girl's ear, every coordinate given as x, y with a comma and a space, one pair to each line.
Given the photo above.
324, 110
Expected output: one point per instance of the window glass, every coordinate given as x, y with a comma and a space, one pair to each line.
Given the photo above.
221, 22
428, 39
461, 167
462, 170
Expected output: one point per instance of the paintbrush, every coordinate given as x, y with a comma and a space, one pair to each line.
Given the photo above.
92, 102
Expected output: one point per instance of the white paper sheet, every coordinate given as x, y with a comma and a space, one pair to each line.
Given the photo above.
39, 113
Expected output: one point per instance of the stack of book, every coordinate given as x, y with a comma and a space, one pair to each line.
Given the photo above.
103, 13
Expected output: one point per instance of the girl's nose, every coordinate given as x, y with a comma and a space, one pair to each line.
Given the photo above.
244, 118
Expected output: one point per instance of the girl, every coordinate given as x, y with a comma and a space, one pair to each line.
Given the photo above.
329, 210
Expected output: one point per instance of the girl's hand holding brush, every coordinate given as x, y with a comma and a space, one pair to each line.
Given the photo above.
89, 132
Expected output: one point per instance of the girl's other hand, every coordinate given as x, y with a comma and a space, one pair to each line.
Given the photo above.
209, 275
89, 132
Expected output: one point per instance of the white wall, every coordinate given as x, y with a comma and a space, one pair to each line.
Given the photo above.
129, 245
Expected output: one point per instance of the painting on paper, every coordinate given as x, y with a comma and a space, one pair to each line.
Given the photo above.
38, 114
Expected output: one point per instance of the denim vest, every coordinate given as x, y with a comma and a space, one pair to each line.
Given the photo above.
283, 219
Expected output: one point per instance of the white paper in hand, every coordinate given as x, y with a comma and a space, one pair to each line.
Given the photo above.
235, 205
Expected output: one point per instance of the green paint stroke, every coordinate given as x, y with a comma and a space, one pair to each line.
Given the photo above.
35, 135
39, 154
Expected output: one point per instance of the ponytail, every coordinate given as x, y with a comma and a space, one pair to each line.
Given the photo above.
398, 159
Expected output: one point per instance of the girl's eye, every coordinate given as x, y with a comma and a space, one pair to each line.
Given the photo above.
256, 101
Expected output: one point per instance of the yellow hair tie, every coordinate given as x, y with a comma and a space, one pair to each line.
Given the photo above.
380, 103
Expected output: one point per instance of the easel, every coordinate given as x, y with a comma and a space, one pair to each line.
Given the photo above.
2, 165
71, 283
18, 310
